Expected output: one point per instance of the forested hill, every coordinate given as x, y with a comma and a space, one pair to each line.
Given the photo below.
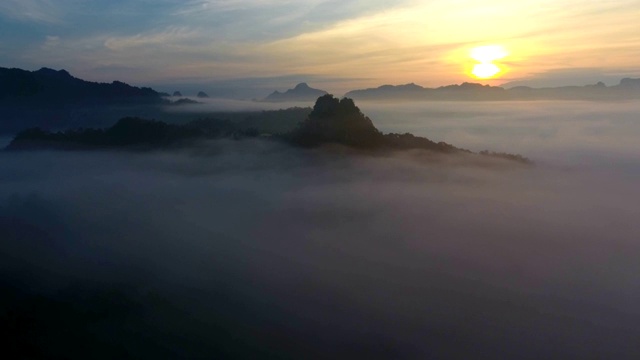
54, 99
47, 85
332, 121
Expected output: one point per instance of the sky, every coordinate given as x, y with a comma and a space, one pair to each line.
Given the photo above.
334, 45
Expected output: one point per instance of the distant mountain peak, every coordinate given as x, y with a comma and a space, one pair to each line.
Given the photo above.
411, 90
630, 83
301, 92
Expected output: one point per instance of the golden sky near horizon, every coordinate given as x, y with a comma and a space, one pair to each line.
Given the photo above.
344, 44
436, 40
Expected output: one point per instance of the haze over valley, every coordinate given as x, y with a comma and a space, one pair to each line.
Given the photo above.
312, 180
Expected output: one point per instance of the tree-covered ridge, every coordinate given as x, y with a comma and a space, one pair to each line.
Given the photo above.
409, 141
341, 122
275, 122
331, 121
47, 85
56, 99
337, 121
128, 132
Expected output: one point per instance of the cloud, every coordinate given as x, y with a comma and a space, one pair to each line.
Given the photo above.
169, 37
45, 11
51, 41
232, 5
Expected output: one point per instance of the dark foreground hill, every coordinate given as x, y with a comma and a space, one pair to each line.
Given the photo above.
54, 98
342, 122
332, 121
51, 85
128, 133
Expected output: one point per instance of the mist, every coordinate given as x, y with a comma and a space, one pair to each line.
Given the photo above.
254, 249
561, 132
219, 104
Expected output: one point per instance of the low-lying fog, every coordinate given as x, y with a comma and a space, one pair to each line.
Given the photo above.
252, 249
561, 132
218, 104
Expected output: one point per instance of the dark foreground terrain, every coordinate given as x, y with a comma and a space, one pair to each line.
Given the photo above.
332, 121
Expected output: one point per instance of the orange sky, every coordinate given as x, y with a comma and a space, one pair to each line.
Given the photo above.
355, 43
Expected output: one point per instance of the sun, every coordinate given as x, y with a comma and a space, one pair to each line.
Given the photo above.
485, 70
486, 56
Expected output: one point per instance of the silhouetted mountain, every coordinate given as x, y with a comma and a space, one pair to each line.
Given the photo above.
408, 91
464, 91
628, 83
53, 99
130, 132
470, 90
337, 121
202, 94
302, 92
341, 122
332, 121
17, 84
627, 89
177, 94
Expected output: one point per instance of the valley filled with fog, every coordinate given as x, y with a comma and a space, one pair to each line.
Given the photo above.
568, 133
252, 248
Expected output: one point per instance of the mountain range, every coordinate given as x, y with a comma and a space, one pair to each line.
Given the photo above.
627, 89
58, 85
55, 100
301, 92
332, 121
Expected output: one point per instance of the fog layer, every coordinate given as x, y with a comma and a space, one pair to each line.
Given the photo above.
253, 249
217, 104
561, 132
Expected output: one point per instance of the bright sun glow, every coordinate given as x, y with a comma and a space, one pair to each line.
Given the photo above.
486, 55
485, 71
